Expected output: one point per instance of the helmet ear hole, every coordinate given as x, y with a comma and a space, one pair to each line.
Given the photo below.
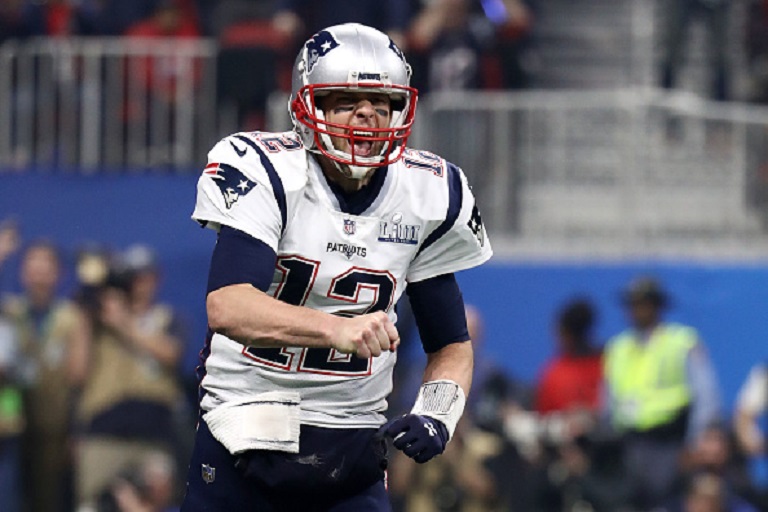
397, 104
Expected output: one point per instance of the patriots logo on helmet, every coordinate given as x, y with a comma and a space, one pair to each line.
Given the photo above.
396, 49
319, 46
232, 183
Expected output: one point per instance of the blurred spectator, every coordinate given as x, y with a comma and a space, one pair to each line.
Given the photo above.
54, 347
495, 396
460, 480
253, 60
24, 18
748, 418
470, 45
9, 240
756, 45
571, 380
11, 418
147, 487
513, 26
91, 271
113, 17
581, 473
227, 13
11, 404
678, 16
452, 38
61, 17
708, 492
299, 19
751, 405
169, 18
132, 395
661, 392
19, 19
713, 453
575, 464
167, 79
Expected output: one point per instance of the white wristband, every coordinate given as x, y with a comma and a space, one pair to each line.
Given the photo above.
442, 400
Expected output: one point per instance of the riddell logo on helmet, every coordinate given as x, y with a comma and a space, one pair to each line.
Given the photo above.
319, 46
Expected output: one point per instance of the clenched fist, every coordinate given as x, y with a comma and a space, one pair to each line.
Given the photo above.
419, 437
366, 335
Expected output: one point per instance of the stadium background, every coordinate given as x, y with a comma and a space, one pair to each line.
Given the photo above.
580, 184
726, 300
588, 177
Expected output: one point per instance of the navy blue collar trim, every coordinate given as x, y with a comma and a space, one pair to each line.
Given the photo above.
355, 203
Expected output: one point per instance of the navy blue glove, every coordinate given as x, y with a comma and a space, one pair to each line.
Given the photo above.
419, 437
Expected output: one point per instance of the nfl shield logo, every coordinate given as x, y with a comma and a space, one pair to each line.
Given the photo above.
349, 226
209, 474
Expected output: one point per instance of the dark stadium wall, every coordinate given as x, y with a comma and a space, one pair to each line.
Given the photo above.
727, 302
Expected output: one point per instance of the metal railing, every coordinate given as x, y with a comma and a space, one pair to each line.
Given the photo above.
106, 103
628, 173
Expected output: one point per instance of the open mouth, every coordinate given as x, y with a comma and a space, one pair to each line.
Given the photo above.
363, 147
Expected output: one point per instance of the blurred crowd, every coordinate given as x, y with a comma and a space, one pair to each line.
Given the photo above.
632, 424
93, 410
96, 416
452, 44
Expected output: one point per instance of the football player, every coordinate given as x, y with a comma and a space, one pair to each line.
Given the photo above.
320, 231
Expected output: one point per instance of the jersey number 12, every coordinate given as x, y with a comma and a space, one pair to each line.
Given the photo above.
298, 279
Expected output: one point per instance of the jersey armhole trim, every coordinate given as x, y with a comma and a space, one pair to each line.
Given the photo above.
274, 179
455, 198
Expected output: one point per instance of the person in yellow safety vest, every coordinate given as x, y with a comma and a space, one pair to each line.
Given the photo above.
660, 393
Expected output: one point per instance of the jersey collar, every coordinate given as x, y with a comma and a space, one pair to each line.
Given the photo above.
355, 203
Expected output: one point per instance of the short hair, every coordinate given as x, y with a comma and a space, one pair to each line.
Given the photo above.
645, 289
43, 244
577, 317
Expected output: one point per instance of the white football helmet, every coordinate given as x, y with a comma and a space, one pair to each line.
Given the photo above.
356, 58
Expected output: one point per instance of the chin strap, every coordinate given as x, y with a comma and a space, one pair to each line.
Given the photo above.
442, 400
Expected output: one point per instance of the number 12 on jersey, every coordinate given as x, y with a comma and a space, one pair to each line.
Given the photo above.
299, 275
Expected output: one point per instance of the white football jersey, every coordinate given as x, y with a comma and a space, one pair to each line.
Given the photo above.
421, 222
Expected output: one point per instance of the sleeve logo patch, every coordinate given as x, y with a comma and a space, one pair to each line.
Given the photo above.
476, 226
232, 183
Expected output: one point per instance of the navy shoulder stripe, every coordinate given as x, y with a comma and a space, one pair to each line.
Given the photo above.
274, 179
455, 193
